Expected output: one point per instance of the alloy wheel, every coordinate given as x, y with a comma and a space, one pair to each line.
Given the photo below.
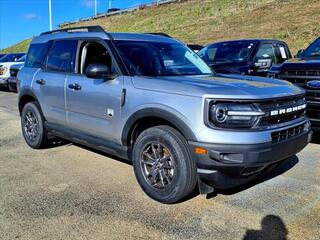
31, 127
158, 165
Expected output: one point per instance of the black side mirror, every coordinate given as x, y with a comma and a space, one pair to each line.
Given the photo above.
97, 70
299, 53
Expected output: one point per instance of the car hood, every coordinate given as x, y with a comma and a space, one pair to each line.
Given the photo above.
234, 67
229, 63
8, 64
295, 63
219, 86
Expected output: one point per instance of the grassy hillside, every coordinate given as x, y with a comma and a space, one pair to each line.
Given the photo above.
19, 47
204, 21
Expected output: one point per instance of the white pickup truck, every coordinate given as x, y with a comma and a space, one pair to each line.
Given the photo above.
5, 63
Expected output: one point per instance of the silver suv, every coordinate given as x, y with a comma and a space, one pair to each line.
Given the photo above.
150, 99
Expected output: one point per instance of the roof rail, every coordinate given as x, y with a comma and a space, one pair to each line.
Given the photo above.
77, 29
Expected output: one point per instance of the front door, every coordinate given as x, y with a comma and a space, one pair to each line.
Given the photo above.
93, 105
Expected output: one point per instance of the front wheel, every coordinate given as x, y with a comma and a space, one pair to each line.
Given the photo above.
32, 126
163, 164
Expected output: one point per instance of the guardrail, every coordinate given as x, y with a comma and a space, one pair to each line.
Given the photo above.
122, 11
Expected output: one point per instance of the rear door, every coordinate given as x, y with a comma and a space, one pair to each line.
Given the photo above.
49, 82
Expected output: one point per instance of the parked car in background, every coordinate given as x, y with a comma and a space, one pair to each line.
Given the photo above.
248, 56
11, 57
194, 47
152, 100
5, 67
12, 80
113, 10
304, 71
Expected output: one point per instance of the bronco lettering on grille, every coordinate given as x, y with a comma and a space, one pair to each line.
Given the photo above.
287, 110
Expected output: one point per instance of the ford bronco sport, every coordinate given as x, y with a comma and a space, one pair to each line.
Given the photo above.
150, 99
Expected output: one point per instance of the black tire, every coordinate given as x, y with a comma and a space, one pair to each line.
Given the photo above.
39, 139
176, 183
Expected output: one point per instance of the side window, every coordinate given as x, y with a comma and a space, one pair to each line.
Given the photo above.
282, 53
211, 53
37, 54
266, 51
208, 53
61, 56
94, 53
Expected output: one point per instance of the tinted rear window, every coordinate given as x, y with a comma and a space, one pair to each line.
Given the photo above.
61, 56
36, 55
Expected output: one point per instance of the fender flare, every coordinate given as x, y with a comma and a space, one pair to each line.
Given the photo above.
26, 92
159, 113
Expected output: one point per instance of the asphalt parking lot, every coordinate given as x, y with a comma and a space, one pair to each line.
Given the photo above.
67, 192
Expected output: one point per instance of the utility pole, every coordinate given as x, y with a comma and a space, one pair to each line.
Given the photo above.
110, 1
95, 7
50, 16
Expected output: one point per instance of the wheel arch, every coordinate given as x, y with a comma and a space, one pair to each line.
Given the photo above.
150, 117
27, 96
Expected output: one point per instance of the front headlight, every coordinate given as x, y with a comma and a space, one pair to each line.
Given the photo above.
3, 70
234, 115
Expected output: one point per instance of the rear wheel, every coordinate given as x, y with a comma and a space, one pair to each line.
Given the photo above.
163, 165
32, 126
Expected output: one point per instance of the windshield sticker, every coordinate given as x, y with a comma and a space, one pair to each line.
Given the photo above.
283, 53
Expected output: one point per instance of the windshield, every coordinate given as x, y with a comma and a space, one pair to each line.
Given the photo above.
10, 57
313, 50
22, 59
144, 58
7, 58
228, 51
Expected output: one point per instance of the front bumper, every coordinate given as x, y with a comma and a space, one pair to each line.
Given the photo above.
12, 84
227, 166
313, 111
3, 82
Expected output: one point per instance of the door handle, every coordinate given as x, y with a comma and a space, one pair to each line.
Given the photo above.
75, 86
41, 82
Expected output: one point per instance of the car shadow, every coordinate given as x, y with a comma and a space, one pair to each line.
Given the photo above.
57, 142
3, 89
112, 157
272, 228
280, 169
316, 137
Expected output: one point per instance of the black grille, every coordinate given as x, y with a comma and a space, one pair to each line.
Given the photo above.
14, 72
277, 104
301, 78
283, 135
